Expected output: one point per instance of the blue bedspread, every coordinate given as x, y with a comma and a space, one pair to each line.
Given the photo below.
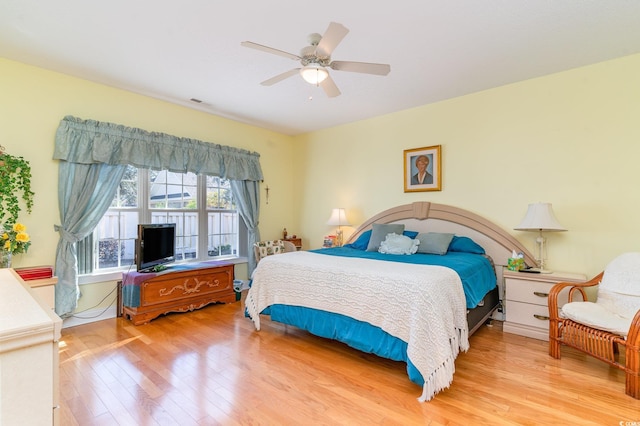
475, 270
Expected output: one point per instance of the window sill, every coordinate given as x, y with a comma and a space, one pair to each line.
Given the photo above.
117, 275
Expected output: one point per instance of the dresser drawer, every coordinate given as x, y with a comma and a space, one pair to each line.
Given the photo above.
528, 314
186, 285
534, 292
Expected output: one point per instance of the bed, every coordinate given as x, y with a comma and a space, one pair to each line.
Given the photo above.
419, 308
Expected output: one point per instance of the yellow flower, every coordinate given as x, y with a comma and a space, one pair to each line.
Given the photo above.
22, 237
15, 239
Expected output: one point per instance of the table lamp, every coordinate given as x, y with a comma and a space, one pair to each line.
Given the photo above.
338, 218
540, 218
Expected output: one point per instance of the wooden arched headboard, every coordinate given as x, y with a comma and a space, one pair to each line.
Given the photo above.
424, 216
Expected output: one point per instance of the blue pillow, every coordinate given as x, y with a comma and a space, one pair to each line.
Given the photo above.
362, 242
410, 234
466, 245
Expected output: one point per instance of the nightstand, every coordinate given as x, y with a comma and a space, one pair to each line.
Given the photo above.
296, 242
526, 294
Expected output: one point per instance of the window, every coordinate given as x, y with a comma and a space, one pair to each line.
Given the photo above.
202, 207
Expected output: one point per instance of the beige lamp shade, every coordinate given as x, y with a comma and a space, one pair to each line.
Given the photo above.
540, 217
338, 218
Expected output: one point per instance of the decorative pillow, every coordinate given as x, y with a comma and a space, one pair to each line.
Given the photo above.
410, 234
362, 242
398, 244
267, 248
465, 245
380, 231
434, 242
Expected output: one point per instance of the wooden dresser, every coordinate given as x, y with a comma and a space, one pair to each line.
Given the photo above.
149, 295
29, 335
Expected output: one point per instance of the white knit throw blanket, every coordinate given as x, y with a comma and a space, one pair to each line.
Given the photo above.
422, 305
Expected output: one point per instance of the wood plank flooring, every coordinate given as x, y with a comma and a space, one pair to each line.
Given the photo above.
210, 367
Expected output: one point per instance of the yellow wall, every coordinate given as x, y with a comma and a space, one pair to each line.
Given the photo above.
571, 139
32, 103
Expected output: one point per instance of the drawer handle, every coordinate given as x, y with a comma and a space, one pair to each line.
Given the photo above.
541, 317
540, 294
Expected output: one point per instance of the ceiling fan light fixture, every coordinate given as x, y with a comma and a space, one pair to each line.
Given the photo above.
314, 74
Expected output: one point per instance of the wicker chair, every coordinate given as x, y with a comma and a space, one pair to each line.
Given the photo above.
267, 248
600, 329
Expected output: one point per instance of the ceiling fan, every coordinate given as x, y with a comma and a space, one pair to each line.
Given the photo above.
316, 58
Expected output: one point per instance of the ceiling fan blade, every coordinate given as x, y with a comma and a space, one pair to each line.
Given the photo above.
363, 67
329, 87
331, 38
270, 50
278, 78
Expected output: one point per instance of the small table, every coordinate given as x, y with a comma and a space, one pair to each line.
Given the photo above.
296, 242
526, 294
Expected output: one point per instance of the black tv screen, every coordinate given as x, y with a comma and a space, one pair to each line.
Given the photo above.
156, 245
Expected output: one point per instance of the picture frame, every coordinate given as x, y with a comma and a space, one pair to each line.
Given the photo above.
432, 180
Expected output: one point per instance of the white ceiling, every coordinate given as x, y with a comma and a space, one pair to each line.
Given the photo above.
178, 50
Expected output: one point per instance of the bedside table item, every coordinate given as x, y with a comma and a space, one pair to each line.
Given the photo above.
526, 301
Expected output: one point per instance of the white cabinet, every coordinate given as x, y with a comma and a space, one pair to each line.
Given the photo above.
526, 294
45, 289
29, 335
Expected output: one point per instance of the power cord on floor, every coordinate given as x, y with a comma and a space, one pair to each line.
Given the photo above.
74, 315
113, 302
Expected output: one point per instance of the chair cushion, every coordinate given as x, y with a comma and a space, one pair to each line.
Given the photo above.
619, 290
623, 305
622, 275
267, 248
597, 316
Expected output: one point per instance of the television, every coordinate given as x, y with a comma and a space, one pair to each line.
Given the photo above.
155, 246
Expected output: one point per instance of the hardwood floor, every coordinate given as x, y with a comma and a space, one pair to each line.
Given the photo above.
211, 367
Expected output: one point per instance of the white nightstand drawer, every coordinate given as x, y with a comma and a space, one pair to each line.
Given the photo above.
531, 292
527, 297
528, 314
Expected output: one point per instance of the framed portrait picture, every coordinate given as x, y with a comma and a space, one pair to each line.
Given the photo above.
423, 169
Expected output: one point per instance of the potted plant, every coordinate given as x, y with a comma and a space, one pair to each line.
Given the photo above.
15, 184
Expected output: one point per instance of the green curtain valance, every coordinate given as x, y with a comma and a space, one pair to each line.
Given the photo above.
91, 142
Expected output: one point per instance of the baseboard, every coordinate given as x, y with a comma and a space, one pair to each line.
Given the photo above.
88, 317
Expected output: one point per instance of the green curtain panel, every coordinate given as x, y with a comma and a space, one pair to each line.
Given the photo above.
93, 156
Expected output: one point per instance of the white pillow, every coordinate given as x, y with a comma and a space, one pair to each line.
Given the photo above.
398, 244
